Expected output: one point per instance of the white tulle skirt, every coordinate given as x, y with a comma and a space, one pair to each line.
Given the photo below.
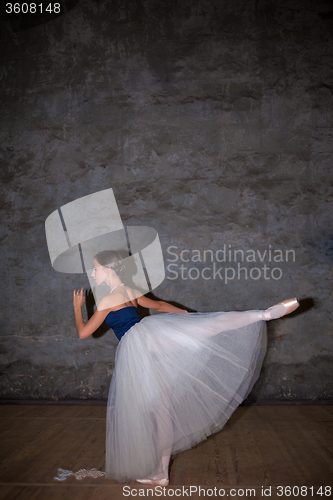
178, 378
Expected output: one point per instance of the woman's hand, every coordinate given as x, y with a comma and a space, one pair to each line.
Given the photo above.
78, 299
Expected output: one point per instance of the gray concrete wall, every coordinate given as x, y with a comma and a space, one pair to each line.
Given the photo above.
212, 122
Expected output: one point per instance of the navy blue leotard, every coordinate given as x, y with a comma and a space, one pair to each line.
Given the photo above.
122, 320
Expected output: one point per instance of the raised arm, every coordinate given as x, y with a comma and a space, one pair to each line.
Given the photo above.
158, 305
86, 329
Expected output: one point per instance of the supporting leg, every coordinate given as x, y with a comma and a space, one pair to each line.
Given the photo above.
165, 434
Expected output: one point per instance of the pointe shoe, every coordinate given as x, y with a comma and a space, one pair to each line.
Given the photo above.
279, 310
154, 481
157, 480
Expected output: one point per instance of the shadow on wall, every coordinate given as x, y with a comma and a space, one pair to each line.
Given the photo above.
304, 305
26, 15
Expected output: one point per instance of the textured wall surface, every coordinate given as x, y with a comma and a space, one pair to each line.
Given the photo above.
212, 122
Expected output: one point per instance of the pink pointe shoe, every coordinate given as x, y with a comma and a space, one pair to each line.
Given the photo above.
279, 310
159, 480
154, 481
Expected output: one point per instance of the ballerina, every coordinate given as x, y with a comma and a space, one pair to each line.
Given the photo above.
178, 376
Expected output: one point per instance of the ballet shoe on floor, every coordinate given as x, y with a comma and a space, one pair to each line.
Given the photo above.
279, 310
158, 480
154, 481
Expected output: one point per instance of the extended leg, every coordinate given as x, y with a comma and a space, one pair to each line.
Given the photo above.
232, 320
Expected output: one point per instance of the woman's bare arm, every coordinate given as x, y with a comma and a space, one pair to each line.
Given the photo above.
86, 329
158, 305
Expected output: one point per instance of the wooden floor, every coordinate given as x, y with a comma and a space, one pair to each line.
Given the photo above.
261, 446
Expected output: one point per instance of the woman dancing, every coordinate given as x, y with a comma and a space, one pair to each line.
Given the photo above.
178, 377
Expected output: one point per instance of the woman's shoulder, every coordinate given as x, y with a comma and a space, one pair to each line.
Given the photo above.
104, 303
111, 301
116, 299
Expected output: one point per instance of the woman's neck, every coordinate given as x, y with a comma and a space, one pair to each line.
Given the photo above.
112, 283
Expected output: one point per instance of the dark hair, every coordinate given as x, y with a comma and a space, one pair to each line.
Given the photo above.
112, 260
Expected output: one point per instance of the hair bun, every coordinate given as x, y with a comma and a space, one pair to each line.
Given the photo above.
121, 270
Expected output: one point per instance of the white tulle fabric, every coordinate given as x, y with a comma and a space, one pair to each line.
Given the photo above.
178, 378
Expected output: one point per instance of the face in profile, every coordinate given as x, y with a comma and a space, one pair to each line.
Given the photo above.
100, 273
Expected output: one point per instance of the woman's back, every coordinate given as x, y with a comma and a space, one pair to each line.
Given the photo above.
122, 320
